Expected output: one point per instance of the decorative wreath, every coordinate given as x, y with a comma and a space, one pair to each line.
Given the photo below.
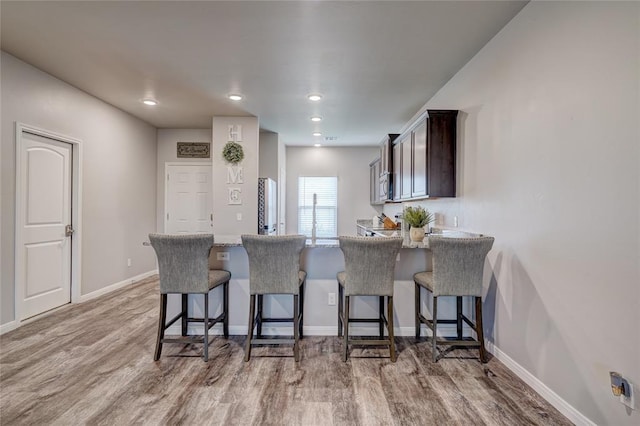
233, 152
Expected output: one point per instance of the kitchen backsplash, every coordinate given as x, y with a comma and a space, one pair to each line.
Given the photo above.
446, 210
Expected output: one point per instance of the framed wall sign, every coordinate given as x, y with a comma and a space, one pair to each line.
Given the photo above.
194, 150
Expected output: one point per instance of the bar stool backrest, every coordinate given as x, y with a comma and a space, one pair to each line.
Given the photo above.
458, 265
274, 263
183, 262
369, 264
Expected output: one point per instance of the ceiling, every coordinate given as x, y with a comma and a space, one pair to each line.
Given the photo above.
375, 63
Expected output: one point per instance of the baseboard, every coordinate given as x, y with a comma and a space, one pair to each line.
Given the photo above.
536, 384
7, 327
116, 286
313, 330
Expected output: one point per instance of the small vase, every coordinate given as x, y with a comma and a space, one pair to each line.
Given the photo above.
416, 234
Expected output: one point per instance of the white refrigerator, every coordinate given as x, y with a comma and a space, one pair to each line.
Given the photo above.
267, 206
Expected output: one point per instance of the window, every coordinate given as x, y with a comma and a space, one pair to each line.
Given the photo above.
326, 191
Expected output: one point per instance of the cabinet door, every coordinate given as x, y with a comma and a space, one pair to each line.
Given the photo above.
397, 167
405, 186
384, 158
441, 153
384, 172
374, 182
419, 161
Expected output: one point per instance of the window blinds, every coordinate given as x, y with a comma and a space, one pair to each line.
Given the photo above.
326, 190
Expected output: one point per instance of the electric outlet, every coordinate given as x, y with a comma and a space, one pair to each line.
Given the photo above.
398, 257
332, 299
129, 263
238, 216
222, 255
629, 401
455, 221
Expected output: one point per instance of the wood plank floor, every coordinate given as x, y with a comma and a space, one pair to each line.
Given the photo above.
92, 363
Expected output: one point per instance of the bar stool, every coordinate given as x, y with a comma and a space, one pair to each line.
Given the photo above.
183, 262
274, 268
369, 271
458, 266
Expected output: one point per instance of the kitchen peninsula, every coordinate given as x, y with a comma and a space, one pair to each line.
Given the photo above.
322, 260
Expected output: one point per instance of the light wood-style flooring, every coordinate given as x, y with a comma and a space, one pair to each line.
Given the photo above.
92, 363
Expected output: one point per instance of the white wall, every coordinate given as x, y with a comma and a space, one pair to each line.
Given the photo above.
350, 164
224, 215
119, 168
268, 148
167, 153
549, 164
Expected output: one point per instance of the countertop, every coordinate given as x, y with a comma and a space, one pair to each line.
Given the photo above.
367, 225
235, 240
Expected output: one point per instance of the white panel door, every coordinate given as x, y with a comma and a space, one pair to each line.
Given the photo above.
189, 202
45, 197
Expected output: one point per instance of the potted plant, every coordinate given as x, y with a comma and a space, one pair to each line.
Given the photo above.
417, 218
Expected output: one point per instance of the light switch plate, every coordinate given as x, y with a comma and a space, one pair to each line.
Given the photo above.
332, 299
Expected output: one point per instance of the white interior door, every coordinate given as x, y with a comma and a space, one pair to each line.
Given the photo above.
188, 199
44, 254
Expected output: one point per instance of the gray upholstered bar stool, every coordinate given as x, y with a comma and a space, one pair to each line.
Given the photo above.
274, 268
458, 266
369, 271
183, 261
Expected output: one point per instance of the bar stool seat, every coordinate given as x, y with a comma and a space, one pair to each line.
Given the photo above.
369, 271
458, 265
274, 268
183, 262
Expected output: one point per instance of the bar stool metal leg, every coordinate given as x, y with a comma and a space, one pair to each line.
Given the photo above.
345, 319
381, 316
301, 305
259, 317
252, 311
479, 330
417, 310
459, 316
185, 313
225, 307
205, 338
435, 328
392, 345
340, 309
161, 321
296, 323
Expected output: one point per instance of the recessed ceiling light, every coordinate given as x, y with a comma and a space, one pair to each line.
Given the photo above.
235, 97
316, 118
314, 97
317, 145
317, 134
150, 102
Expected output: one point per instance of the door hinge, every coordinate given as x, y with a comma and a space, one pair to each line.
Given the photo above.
68, 231
167, 216
167, 177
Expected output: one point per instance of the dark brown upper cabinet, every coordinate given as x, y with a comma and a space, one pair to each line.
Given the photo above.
405, 166
397, 171
428, 158
386, 167
374, 182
